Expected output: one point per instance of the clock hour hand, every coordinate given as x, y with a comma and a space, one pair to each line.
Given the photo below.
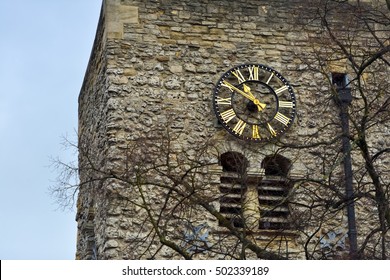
260, 106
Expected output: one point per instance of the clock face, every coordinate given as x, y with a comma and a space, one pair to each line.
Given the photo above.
254, 102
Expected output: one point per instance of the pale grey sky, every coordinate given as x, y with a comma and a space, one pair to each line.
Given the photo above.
44, 51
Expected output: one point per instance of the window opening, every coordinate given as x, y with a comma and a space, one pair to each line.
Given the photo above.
340, 80
232, 187
234, 162
276, 165
343, 88
273, 193
269, 210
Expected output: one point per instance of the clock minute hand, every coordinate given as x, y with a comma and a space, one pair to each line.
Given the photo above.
231, 87
249, 95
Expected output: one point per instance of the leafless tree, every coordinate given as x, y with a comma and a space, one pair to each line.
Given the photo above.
352, 42
172, 192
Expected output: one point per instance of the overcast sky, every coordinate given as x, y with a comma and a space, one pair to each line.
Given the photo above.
44, 51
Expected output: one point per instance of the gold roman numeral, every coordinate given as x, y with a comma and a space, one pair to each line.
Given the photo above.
224, 101
228, 115
271, 130
269, 78
239, 127
239, 76
253, 73
228, 85
255, 131
282, 118
279, 90
286, 104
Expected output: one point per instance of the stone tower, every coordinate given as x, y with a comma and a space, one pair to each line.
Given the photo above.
164, 172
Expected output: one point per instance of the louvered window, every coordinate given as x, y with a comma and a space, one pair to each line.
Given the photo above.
269, 210
232, 187
273, 193
273, 203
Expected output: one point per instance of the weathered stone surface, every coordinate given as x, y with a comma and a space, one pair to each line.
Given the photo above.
155, 64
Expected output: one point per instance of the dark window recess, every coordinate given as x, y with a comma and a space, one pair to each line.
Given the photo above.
230, 200
230, 190
343, 88
340, 80
237, 222
231, 180
276, 165
231, 210
234, 162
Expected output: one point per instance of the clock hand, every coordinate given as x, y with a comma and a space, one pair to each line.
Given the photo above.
231, 87
260, 106
250, 96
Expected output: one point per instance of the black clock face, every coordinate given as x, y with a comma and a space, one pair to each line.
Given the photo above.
254, 102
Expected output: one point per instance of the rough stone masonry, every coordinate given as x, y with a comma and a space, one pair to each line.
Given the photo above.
152, 70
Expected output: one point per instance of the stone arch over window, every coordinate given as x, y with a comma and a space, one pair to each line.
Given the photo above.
276, 165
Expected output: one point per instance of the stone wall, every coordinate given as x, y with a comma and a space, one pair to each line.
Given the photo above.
153, 69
